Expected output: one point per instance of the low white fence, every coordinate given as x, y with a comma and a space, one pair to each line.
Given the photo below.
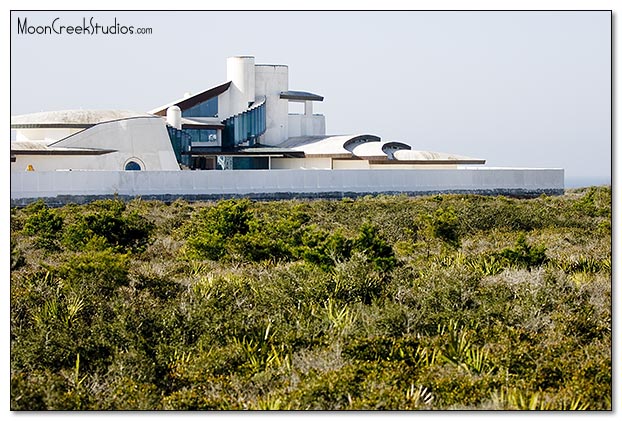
65, 185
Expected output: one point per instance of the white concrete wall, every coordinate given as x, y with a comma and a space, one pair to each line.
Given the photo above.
350, 164
56, 162
241, 73
270, 81
223, 105
301, 163
319, 124
412, 166
144, 183
305, 125
143, 139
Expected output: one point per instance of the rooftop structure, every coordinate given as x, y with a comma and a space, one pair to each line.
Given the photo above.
243, 123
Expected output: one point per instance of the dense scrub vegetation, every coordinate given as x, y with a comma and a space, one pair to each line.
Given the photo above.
444, 302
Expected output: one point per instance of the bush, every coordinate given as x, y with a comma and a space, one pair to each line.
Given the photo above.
524, 255
123, 231
324, 249
44, 224
303, 306
375, 248
445, 226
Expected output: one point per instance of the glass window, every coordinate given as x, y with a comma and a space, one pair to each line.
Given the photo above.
132, 166
207, 108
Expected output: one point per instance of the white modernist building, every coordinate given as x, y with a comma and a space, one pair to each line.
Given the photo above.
243, 123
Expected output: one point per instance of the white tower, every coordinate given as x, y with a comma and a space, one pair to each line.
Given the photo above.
270, 81
173, 116
241, 73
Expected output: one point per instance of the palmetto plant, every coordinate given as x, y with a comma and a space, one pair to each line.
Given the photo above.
57, 309
517, 399
73, 306
418, 397
270, 403
341, 318
459, 350
262, 353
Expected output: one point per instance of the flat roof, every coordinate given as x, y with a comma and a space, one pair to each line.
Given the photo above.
203, 123
301, 96
250, 152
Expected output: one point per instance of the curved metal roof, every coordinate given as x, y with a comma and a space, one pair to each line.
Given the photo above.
80, 119
324, 146
434, 157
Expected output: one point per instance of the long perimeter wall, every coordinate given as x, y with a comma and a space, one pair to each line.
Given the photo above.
60, 187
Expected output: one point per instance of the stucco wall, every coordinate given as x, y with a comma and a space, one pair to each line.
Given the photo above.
270, 81
299, 163
66, 186
350, 164
306, 125
241, 73
143, 139
413, 166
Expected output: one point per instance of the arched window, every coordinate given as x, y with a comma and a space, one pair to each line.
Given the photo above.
132, 166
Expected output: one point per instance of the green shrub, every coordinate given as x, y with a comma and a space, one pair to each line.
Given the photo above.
524, 255
98, 272
17, 256
302, 306
364, 385
123, 231
374, 247
44, 225
358, 279
382, 348
445, 226
324, 249
209, 231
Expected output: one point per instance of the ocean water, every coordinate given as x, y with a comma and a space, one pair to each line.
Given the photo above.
574, 182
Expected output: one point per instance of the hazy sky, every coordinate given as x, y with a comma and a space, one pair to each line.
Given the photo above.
520, 89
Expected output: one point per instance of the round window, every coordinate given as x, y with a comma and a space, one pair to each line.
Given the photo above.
132, 166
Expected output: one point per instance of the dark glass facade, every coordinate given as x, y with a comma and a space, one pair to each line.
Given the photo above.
244, 127
250, 163
181, 142
207, 108
202, 135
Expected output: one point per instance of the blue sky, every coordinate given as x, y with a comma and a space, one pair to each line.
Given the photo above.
518, 88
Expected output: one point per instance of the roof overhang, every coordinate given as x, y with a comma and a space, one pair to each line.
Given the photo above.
203, 126
203, 123
52, 126
334, 156
193, 100
58, 151
244, 152
429, 161
300, 96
